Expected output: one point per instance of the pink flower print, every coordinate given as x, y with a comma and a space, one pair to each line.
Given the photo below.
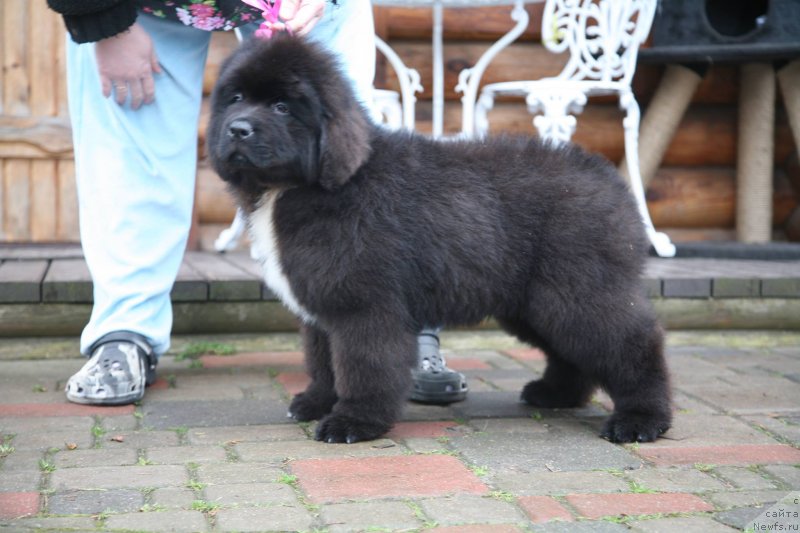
202, 10
184, 15
209, 23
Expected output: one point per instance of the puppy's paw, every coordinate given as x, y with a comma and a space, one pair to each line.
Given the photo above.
631, 427
306, 407
541, 394
343, 428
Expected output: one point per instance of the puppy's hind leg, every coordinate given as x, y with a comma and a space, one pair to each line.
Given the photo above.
563, 384
320, 396
638, 383
372, 361
620, 346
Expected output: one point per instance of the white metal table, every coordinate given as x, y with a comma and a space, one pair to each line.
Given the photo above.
469, 78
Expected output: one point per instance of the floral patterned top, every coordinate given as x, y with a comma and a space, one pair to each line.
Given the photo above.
93, 20
206, 15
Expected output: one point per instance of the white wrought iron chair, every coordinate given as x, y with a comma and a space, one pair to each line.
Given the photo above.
390, 108
603, 39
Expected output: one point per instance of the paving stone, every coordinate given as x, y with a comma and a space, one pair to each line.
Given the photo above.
416, 411
777, 425
541, 509
335, 480
688, 371
237, 434
600, 505
58, 423
722, 455
95, 501
579, 527
725, 500
492, 404
743, 360
406, 430
426, 445
21, 460
113, 477
558, 483
45, 440
464, 364
178, 521
95, 457
740, 517
164, 415
197, 388
51, 523
744, 478
265, 359
48, 410
369, 516
761, 394
173, 498
466, 509
116, 424
230, 473
690, 430
293, 382
186, 454
18, 504
675, 480
477, 528
278, 451
20, 480
139, 439
684, 404
789, 474
279, 518
567, 445
242, 494
526, 354
693, 524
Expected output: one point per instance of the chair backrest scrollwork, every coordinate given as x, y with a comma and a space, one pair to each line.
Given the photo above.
601, 36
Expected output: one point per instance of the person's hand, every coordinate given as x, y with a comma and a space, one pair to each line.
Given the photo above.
126, 63
299, 16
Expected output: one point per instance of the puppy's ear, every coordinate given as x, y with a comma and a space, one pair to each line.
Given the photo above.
343, 146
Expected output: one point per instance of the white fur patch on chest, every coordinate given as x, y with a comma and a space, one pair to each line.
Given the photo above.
261, 227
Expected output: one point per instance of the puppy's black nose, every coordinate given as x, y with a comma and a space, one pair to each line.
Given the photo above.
240, 129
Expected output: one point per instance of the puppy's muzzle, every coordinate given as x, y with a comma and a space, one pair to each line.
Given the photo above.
240, 129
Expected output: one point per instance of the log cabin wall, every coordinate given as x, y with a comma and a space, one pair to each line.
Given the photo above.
692, 196
37, 183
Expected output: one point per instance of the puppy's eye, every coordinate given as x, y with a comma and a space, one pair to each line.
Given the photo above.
280, 108
237, 97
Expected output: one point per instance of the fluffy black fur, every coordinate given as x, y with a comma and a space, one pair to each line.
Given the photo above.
381, 233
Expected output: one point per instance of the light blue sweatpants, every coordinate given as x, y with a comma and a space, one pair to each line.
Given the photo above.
136, 169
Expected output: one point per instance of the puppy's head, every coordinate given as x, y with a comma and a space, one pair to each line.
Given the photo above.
284, 114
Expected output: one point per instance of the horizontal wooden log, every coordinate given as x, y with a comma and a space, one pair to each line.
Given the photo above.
35, 137
223, 43
213, 203
705, 137
520, 61
466, 24
691, 197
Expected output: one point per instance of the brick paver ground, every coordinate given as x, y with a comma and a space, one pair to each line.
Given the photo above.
210, 447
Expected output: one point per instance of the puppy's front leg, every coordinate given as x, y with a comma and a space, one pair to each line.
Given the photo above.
372, 363
318, 399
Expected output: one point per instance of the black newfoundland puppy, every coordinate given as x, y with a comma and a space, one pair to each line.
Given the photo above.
369, 235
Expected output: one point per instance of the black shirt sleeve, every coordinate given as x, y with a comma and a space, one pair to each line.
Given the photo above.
92, 20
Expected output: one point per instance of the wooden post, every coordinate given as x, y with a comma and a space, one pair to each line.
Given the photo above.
755, 153
661, 120
789, 79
